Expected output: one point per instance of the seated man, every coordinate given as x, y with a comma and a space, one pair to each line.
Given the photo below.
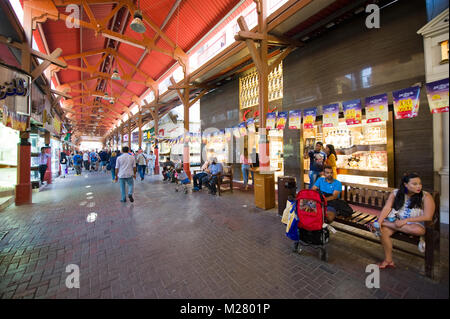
199, 177
331, 188
214, 170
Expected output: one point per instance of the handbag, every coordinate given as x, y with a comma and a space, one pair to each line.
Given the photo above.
292, 225
287, 210
108, 167
341, 207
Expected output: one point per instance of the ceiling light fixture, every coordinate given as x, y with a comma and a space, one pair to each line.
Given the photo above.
115, 75
137, 25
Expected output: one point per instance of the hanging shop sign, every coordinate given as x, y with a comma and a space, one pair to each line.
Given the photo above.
125, 137
14, 120
251, 125
377, 108
271, 120
309, 118
57, 125
242, 129
281, 120
295, 119
331, 115
352, 111
15, 90
406, 102
437, 93
134, 137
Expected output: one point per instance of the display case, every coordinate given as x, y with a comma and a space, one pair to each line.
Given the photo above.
364, 151
56, 150
8, 157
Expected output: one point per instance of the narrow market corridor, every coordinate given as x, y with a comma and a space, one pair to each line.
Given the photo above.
175, 245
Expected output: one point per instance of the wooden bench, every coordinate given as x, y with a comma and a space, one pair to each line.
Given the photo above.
368, 201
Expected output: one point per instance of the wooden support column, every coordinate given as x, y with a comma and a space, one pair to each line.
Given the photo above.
129, 135
184, 98
140, 128
23, 190
259, 55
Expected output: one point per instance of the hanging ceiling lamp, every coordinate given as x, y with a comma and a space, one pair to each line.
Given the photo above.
115, 75
137, 25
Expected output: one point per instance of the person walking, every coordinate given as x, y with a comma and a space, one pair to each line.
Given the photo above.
246, 168
151, 163
112, 163
125, 172
86, 160
141, 163
77, 162
63, 162
43, 161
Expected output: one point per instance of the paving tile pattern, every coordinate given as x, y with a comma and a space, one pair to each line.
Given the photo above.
173, 245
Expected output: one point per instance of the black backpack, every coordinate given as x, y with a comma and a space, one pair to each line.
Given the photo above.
341, 207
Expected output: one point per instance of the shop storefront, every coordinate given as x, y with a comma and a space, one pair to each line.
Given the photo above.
15, 112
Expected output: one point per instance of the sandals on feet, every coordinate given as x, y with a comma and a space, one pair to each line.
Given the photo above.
385, 264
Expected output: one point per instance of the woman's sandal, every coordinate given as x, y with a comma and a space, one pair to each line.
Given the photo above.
384, 264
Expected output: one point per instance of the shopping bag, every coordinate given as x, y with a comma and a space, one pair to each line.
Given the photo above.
286, 212
292, 225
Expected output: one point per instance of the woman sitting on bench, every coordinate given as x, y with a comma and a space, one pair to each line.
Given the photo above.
406, 210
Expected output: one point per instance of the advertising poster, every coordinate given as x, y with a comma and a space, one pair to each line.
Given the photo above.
406, 102
352, 111
331, 115
295, 119
251, 125
270, 120
281, 120
242, 129
377, 109
309, 117
236, 132
437, 93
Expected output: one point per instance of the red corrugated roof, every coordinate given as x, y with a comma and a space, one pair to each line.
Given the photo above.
189, 23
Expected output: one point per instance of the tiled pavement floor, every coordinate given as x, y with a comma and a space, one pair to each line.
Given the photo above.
172, 245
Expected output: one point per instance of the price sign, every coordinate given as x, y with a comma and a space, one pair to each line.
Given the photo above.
406, 102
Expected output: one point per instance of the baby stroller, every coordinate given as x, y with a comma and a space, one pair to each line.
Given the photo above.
312, 229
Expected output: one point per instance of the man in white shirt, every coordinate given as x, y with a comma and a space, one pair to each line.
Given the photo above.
125, 172
151, 163
86, 160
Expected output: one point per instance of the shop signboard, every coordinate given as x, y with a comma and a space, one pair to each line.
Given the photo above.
125, 137
135, 137
377, 108
281, 120
271, 120
309, 117
406, 102
331, 115
295, 119
15, 90
437, 93
242, 129
236, 132
14, 120
251, 125
352, 111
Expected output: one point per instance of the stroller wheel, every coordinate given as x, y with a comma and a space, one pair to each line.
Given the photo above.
323, 254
